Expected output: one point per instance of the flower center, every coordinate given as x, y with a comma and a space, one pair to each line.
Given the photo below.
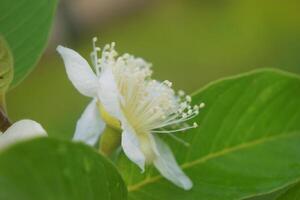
149, 106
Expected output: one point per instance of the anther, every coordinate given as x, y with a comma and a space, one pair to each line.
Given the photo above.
181, 93
202, 105
188, 98
168, 83
195, 125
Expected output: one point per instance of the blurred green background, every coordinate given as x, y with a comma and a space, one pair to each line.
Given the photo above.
190, 42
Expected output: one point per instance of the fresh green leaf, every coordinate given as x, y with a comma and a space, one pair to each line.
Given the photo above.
247, 144
292, 194
49, 169
26, 25
6, 76
6, 66
272, 195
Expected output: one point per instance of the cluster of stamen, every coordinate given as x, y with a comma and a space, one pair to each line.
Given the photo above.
149, 105
176, 110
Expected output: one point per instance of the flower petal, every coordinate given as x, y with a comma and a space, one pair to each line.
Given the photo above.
21, 130
109, 94
131, 146
90, 125
168, 167
79, 72
148, 146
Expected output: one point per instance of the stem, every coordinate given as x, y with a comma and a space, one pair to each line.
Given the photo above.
110, 141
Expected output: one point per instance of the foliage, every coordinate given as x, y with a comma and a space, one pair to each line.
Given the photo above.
51, 169
246, 147
26, 25
6, 72
6, 63
247, 143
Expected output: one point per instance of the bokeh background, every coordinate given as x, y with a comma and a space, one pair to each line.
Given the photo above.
190, 42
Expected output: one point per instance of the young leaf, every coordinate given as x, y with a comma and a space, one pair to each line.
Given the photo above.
247, 142
26, 25
6, 67
6, 70
6, 77
49, 169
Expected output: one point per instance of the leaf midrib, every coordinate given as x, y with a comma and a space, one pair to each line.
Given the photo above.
137, 186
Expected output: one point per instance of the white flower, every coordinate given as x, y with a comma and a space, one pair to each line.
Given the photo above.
20, 131
141, 107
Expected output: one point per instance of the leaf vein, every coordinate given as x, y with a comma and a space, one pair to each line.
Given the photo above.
210, 156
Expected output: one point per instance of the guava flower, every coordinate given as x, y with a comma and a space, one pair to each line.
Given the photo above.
20, 131
129, 100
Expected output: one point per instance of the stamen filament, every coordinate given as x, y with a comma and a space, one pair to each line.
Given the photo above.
174, 137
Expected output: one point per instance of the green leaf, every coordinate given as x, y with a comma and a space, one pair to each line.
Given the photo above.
6, 66
49, 169
292, 194
6, 74
26, 25
247, 144
273, 195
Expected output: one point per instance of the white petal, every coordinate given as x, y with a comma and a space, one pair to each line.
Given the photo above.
153, 144
90, 125
21, 130
131, 146
109, 94
168, 167
148, 146
79, 72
